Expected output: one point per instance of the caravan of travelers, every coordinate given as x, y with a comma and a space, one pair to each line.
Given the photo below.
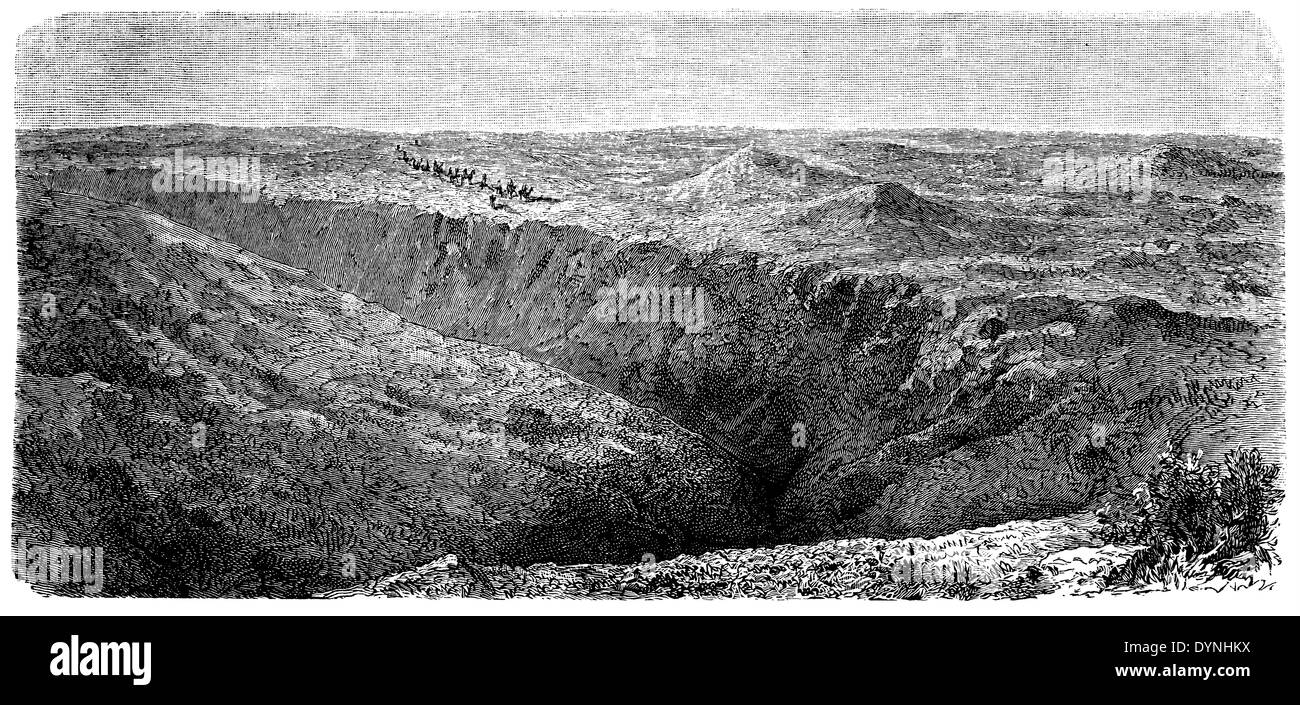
461, 176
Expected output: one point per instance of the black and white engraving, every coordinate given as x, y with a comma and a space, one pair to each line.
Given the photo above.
664, 305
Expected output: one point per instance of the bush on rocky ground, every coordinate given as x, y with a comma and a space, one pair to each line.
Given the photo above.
1199, 519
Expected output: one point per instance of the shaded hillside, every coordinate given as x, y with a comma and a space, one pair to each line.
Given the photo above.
888, 218
1177, 161
223, 424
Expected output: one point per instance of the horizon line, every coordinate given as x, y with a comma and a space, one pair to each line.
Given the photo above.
1277, 137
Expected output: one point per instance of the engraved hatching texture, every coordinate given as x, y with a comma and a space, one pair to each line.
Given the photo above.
840, 356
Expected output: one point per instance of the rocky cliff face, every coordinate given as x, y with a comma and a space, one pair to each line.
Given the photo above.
866, 405
226, 425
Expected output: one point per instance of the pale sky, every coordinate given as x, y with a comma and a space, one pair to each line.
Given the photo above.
511, 71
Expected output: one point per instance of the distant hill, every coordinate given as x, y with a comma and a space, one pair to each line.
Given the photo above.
890, 219
886, 203
1174, 161
222, 424
756, 173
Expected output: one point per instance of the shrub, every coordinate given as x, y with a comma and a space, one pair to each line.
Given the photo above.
1183, 506
1200, 518
1248, 489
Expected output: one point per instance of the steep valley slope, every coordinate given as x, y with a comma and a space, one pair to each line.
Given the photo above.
860, 403
227, 425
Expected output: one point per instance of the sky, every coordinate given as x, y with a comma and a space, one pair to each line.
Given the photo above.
519, 72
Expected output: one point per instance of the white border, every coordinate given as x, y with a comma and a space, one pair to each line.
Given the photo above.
17, 598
